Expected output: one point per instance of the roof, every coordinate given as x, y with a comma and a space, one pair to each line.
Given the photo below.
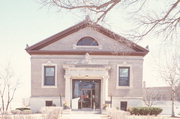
35, 49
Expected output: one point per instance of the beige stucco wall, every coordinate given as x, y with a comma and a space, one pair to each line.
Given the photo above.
69, 42
134, 62
135, 79
37, 77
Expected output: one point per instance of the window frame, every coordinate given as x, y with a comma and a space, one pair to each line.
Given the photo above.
75, 46
87, 45
43, 76
121, 77
130, 76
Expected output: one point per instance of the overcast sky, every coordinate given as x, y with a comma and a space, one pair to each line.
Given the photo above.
27, 22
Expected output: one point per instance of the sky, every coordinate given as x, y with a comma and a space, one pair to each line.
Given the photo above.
28, 22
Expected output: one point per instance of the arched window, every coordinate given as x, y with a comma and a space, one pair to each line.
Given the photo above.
87, 41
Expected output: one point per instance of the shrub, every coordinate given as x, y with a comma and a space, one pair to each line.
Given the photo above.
145, 111
155, 111
134, 111
23, 108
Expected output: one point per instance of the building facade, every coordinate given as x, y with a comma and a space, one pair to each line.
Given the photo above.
85, 67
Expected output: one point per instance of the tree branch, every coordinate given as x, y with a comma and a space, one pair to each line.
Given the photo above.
169, 23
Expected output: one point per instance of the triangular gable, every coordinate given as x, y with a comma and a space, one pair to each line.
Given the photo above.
35, 49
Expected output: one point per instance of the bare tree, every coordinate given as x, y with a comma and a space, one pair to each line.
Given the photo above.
150, 96
7, 87
170, 72
165, 21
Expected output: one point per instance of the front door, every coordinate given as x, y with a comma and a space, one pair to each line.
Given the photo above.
87, 92
86, 99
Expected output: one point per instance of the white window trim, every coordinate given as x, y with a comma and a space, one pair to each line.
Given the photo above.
42, 84
130, 77
78, 46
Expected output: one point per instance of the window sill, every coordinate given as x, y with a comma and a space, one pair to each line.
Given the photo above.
79, 47
123, 87
49, 86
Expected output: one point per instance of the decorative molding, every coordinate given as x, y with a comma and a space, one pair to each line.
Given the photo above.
71, 71
111, 53
49, 62
87, 59
68, 66
106, 77
67, 77
107, 67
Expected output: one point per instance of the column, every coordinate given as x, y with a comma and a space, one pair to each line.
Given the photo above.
105, 78
67, 90
107, 89
106, 81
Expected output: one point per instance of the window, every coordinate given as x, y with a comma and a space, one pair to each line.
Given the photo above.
49, 103
123, 105
87, 41
49, 75
124, 76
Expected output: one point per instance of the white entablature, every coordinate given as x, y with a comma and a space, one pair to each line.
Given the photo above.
86, 71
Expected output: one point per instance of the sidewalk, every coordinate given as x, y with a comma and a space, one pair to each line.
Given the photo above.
83, 116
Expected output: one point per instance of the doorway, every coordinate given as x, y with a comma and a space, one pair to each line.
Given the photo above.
87, 92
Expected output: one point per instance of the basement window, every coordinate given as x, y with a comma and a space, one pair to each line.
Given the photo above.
49, 103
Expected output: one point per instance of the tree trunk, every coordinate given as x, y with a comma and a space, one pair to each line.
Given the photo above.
2, 100
173, 98
172, 115
7, 106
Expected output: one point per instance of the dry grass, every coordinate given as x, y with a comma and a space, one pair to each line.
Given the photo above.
47, 113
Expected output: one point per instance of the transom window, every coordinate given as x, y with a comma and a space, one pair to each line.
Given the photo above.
49, 75
124, 76
87, 41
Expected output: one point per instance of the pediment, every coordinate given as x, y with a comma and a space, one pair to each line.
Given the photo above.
66, 42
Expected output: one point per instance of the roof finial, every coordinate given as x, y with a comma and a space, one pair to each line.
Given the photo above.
147, 47
87, 18
27, 46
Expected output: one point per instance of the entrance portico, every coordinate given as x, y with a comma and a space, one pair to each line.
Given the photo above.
89, 72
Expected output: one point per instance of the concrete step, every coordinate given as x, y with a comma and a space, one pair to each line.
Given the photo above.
83, 116
86, 111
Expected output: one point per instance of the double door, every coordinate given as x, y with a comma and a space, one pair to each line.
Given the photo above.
88, 92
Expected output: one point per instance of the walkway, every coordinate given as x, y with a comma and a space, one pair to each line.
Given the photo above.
83, 116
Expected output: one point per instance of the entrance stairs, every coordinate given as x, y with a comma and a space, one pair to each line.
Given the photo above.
86, 111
